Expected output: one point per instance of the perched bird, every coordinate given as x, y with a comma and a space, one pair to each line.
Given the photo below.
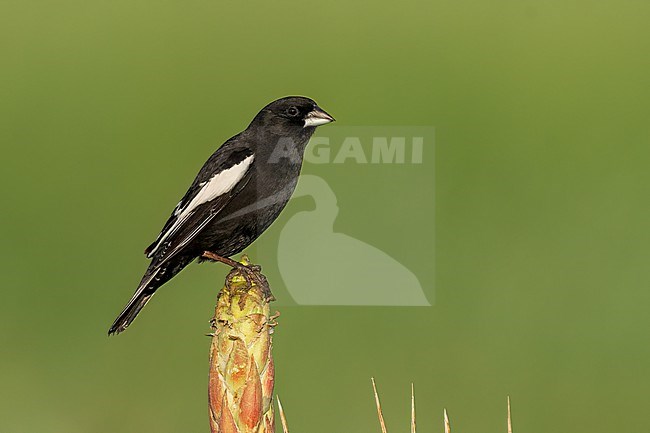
238, 193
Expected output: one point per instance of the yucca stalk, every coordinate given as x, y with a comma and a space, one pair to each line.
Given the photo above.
241, 365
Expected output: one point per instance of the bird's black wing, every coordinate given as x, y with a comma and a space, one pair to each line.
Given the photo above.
221, 178
191, 192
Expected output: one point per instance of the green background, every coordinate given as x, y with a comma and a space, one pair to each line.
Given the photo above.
108, 108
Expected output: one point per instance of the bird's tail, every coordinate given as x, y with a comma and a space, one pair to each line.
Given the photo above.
130, 311
142, 295
157, 274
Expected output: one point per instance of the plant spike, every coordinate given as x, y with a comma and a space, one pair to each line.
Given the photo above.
509, 417
379, 412
446, 419
412, 409
283, 419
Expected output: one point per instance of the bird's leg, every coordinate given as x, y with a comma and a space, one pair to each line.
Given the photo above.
256, 272
226, 260
250, 273
245, 271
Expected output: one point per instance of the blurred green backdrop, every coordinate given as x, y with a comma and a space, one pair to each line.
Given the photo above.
108, 108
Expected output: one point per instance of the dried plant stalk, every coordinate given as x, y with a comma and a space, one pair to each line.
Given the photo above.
241, 365
446, 421
380, 413
509, 417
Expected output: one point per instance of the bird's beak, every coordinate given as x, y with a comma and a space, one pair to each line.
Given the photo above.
317, 117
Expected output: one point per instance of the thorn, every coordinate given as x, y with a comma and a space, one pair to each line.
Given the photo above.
509, 417
447, 426
379, 413
412, 409
285, 429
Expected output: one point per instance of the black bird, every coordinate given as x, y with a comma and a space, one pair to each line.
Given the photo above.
238, 193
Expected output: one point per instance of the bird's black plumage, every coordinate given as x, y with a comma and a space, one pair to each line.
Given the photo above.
238, 193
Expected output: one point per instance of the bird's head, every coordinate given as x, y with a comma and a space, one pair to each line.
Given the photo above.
293, 113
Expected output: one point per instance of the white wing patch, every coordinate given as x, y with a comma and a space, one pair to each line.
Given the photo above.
219, 184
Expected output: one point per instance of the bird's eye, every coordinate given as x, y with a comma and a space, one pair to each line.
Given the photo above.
292, 111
